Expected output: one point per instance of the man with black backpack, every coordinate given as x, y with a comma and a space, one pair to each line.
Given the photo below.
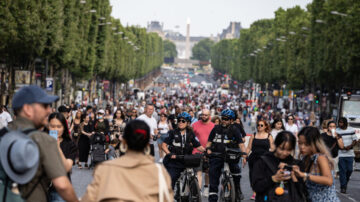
31, 106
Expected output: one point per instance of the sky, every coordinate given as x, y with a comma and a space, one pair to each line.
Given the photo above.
206, 16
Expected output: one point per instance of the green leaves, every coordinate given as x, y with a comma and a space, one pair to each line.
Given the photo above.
81, 37
314, 48
202, 50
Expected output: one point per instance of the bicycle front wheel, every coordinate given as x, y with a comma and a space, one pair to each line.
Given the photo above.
227, 192
194, 191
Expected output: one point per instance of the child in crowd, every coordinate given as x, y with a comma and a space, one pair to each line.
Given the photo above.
110, 152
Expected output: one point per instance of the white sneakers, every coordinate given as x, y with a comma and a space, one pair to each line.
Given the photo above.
160, 160
206, 192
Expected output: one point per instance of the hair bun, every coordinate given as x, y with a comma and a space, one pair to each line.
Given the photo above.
141, 131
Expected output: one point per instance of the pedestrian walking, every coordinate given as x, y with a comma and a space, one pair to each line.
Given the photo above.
346, 155
134, 176
31, 106
87, 130
274, 170
319, 166
151, 121
202, 130
67, 148
260, 143
276, 127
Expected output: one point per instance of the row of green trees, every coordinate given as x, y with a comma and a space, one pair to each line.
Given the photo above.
316, 48
77, 35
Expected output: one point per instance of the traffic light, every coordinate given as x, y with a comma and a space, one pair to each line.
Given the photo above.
317, 99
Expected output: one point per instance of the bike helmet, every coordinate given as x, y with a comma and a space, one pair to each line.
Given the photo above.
228, 113
185, 116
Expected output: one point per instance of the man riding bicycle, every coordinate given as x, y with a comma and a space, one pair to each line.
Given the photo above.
181, 141
221, 137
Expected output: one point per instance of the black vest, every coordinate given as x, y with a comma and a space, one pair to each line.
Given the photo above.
224, 137
179, 145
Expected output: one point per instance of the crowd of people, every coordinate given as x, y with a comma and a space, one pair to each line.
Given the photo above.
289, 158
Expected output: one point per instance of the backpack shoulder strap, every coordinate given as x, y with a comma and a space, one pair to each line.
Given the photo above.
269, 163
3, 131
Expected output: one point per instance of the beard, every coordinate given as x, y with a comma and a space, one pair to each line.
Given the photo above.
205, 119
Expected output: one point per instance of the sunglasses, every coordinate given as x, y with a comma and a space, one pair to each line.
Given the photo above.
182, 121
225, 118
260, 125
290, 119
205, 115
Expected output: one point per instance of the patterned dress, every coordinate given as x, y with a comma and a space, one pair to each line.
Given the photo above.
318, 192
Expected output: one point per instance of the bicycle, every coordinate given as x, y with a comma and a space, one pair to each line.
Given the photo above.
227, 188
187, 186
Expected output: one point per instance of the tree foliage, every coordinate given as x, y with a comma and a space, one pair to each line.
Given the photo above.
169, 49
80, 37
305, 49
202, 50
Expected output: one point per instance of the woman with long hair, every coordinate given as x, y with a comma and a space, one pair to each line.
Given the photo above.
134, 176
276, 127
86, 131
260, 143
67, 148
119, 123
319, 166
274, 169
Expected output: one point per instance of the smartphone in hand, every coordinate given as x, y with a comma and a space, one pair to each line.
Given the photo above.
54, 134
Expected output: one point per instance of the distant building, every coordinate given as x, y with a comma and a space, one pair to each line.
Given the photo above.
232, 31
176, 37
155, 26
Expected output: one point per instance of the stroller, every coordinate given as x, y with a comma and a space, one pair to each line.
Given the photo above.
97, 149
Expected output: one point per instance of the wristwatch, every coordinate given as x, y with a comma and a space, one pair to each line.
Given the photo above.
307, 176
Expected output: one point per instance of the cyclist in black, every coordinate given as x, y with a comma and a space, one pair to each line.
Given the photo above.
222, 136
181, 141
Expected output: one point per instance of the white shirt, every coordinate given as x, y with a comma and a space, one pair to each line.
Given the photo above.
293, 128
151, 122
275, 132
348, 136
5, 119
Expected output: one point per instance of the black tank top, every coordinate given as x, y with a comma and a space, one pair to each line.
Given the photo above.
260, 146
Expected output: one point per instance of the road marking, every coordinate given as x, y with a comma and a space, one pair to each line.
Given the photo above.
346, 196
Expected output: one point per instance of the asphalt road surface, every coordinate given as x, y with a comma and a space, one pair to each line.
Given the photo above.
82, 177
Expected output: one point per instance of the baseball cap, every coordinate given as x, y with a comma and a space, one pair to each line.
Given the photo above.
32, 94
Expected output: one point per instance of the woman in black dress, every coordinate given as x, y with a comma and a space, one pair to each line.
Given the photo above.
86, 131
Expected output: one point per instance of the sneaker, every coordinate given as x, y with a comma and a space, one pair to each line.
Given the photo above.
206, 192
253, 196
343, 190
160, 160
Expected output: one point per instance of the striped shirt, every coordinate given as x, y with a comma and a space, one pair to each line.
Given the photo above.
348, 137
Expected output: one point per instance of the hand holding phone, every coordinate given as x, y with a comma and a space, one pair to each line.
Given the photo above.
54, 134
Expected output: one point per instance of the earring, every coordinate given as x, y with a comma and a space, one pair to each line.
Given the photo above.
147, 150
123, 147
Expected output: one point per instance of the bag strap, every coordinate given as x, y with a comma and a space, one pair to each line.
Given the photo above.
163, 189
5, 188
269, 163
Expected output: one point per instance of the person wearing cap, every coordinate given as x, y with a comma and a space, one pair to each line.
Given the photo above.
31, 106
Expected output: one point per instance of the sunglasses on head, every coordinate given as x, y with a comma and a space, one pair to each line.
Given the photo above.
182, 121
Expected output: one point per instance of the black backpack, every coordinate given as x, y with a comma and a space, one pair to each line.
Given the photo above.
293, 192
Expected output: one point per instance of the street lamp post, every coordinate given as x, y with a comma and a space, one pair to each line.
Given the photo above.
338, 13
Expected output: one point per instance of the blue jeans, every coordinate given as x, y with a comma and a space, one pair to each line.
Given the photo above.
55, 197
345, 170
